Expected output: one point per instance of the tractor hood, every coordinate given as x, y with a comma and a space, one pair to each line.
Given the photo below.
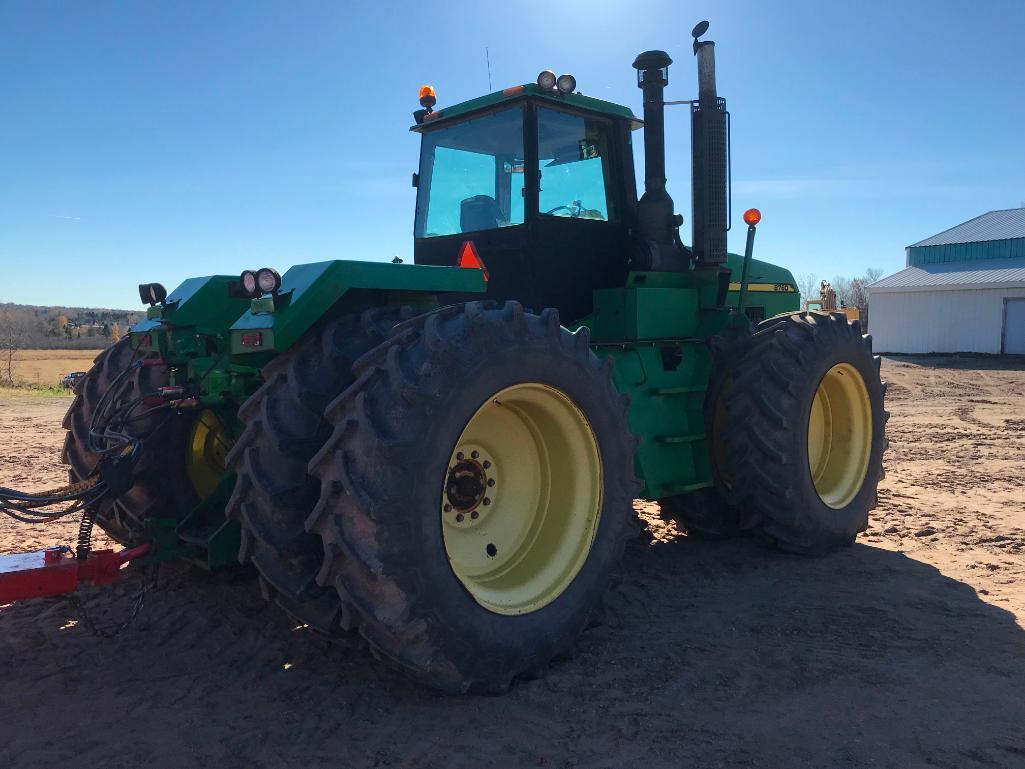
309, 291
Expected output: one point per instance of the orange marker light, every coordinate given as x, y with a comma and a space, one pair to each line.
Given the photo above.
752, 216
428, 96
470, 259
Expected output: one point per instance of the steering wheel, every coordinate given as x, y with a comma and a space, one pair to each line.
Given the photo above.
560, 208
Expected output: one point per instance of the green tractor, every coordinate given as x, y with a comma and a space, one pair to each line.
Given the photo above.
442, 456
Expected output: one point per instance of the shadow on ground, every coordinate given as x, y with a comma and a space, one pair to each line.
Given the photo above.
712, 654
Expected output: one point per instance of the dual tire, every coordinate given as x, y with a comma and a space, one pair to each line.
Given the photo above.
797, 424
274, 492
161, 486
468, 499
806, 433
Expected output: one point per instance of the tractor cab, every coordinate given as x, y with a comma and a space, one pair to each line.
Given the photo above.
540, 181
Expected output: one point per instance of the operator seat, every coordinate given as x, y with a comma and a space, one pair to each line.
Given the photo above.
481, 212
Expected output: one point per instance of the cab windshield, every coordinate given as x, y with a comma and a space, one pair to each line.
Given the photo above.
471, 176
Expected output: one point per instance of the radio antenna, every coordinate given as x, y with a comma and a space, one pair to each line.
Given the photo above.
487, 55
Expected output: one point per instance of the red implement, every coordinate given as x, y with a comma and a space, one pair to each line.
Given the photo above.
54, 571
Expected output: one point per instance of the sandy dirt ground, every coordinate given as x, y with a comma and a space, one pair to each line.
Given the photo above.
906, 650
46, 367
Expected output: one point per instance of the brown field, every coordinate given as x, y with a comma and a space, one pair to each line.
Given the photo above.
905, 650
46, 367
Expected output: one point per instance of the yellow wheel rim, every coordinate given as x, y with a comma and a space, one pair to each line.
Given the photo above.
207, 448
521, 498
840, 435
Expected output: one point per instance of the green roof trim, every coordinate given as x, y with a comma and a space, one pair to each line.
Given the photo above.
529, 90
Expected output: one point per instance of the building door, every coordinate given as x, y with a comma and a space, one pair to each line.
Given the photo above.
1014, 327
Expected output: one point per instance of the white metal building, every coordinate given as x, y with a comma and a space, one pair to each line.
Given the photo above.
962, 291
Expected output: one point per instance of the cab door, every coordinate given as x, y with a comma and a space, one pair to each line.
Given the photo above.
581, 218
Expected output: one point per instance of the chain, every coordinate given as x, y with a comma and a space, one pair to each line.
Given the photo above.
138, 602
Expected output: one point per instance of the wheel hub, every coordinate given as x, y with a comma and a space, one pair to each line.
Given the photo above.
467, 484
471, 486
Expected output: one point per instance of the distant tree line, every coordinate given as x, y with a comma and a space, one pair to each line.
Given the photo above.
27, 327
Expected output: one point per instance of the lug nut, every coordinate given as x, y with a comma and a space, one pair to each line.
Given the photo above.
486, 464
491, 481
460, 456
474, 454
475, 515
487, 501
459, 518
448, 508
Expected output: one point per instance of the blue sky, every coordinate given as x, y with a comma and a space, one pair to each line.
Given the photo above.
156, 140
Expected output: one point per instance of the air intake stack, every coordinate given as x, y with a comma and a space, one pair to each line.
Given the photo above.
657, 224
708, 159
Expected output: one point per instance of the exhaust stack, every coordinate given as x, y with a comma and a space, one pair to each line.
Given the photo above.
657, 225
708, 159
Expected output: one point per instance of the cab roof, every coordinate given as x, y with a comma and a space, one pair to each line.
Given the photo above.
531, 90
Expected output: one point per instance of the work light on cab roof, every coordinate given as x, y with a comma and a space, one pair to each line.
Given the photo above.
564, 84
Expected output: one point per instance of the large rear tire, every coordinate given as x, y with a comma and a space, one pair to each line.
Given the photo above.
468, 405
805, 432
161, 486
274, 493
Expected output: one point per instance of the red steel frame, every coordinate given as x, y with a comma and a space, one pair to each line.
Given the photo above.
54, 571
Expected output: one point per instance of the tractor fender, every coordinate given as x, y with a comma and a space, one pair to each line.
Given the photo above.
309, 292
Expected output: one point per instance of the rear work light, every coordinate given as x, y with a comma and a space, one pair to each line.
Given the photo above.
252, 339
256, 283
152, 293
268, 280
249, 283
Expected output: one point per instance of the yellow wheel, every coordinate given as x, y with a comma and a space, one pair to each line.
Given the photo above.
522, 498
208, 445
840, 435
